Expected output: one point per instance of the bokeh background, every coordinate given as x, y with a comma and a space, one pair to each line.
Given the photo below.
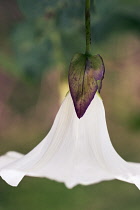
37, 41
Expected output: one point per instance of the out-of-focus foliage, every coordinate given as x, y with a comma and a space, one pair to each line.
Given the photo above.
70, 15
34, 8
33, 47
48, 28
37, 42
115, 16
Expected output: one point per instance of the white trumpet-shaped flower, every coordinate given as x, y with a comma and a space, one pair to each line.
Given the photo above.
75, 151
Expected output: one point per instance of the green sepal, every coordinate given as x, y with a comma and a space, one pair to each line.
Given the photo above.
85, 76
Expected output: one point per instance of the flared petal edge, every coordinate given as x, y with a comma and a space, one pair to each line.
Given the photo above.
75, 151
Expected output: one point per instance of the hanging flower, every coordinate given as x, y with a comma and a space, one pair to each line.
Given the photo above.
75, 151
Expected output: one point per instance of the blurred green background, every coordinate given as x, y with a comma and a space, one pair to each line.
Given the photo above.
37, 41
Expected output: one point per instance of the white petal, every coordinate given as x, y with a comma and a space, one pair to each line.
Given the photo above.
74, 152
8, 158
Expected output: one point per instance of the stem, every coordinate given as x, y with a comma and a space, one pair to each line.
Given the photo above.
87, 27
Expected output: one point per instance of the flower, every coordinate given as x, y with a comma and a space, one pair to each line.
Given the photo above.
75, 151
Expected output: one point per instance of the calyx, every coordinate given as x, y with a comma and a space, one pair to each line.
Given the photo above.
85, 76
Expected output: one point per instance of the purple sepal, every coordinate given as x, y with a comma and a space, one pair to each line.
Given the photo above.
99, 74
84, 74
